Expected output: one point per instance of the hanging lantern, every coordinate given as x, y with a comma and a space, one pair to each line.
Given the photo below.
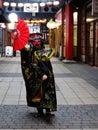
49, 3
13, 17
51, 24
6, 4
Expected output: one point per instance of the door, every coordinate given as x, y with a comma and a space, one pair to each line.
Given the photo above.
90, 44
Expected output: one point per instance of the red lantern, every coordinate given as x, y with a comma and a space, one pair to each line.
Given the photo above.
49, 3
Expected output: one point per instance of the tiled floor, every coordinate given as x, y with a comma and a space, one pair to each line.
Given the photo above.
77, 97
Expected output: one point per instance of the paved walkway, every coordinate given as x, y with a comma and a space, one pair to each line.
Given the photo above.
77, 97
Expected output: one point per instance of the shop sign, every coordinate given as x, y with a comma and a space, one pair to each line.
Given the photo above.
34, 28
94, 7
31, 7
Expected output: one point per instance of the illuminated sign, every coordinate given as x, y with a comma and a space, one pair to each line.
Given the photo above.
28, 7
34, 28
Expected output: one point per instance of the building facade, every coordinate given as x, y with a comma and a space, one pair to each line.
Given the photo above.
79, 32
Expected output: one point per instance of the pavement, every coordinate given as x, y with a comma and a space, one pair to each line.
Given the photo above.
77, 97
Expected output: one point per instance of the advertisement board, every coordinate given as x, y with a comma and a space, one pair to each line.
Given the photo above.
34, 7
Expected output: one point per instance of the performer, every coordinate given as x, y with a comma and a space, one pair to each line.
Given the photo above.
38, 76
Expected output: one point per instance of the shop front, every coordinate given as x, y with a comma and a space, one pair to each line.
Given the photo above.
90, 36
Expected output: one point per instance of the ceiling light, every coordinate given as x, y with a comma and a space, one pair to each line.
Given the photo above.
56, 3
42, 4
49, 3
20, 5
6, 3
13, 4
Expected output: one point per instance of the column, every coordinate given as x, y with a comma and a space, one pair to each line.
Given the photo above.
69, 32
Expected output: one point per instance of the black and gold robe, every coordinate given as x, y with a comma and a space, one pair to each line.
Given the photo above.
39, 93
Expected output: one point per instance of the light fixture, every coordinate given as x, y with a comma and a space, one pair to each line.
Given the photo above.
2, 25
49, 3
75, 17
13, 17
27, 21
56, 3
51, 24
11, 26
20, 5
90, 19
37, 21
6, 4
43, 21
42, 4
13, 4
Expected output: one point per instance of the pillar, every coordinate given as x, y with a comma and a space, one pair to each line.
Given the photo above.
1, 4
69, 32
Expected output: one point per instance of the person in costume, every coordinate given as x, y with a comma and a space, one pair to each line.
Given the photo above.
38, 76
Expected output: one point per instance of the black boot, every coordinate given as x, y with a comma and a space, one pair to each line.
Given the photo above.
40, 113
48, 112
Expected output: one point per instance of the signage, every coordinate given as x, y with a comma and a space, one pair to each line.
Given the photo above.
28, 7
34, 28
94, 7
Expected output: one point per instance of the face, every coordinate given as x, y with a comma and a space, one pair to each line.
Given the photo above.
36, 43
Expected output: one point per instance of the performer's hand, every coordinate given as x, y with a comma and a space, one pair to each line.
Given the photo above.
44, 77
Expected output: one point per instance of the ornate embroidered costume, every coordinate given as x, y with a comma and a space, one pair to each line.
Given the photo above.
35, 62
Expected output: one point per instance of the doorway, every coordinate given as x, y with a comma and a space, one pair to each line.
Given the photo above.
92, 43
96, 43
